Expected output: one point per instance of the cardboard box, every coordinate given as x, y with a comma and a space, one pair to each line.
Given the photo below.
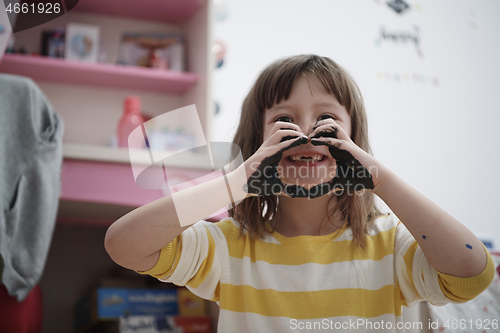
193, 324
111, 303
167, 324
189, 304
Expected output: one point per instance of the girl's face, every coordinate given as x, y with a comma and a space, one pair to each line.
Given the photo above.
308, 102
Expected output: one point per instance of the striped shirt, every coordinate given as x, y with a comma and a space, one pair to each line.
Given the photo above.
310, 283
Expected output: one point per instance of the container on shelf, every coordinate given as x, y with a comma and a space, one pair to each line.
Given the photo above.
130, 123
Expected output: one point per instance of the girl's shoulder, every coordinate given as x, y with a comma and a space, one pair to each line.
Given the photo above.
233, 230
228, 226
228, 222
384, 222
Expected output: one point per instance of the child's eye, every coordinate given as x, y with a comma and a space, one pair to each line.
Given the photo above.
326, 116
284, 119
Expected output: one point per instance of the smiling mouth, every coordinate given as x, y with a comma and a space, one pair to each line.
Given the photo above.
311, 159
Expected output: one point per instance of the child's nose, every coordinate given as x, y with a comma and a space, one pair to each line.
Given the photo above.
309, 127
305, 129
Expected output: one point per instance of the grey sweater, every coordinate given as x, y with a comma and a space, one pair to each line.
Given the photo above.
30, 183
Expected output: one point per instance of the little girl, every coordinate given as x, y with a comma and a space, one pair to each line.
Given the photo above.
306, 249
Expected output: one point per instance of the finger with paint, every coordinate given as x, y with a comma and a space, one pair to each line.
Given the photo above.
262, 166
351, 175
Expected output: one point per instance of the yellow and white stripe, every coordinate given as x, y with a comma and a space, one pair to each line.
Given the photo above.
271, 284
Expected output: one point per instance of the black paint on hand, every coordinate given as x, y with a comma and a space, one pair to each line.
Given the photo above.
350, 174
265, 180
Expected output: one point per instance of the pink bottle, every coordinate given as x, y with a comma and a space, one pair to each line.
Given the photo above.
129, 121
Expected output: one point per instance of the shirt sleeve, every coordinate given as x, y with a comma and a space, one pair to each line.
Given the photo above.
419, 281
197, 259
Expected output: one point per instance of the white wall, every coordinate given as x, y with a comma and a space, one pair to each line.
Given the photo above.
436, 127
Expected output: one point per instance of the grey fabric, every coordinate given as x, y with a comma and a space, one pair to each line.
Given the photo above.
30, 183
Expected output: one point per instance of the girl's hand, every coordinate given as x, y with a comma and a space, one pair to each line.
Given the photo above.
261, 167
356, 169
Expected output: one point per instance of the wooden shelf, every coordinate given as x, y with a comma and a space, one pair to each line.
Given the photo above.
98, 193
121, 155
104, 175
174, 11
105, 75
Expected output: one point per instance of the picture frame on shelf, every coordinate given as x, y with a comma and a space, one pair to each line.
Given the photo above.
82, 42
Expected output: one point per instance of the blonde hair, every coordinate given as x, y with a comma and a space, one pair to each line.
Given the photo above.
273, 85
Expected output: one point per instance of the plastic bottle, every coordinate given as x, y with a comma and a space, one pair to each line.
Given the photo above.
129, 121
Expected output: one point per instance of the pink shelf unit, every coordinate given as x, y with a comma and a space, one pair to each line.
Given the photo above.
113, 184
174, 11
105, 75
108, 183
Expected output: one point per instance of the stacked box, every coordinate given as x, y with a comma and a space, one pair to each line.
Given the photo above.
189, 304
168, 324
110, 304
